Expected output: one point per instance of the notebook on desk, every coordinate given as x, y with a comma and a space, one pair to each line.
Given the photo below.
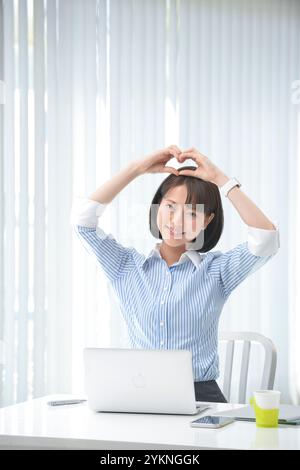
287, 414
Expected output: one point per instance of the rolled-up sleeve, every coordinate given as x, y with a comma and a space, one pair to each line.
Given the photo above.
114, 259
235, 265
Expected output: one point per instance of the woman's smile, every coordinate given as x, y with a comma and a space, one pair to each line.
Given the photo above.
174, 232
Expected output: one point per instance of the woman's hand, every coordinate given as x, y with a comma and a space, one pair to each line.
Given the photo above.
155, 163
206, 170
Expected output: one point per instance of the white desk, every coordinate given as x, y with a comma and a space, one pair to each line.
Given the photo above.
35, 425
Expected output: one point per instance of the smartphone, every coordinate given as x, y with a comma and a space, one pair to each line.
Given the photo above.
73, 401
211, 422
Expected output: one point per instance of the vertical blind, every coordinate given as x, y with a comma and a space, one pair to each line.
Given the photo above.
1, 205
91, 85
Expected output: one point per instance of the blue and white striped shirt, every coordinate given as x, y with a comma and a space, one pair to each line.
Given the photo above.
176, 307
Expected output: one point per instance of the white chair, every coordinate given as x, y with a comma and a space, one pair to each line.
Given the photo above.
270, 361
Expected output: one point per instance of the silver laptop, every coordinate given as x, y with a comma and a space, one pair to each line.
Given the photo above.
140, 381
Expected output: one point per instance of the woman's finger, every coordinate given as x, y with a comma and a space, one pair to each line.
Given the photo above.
174, 150
187, 173
191, 149
169, 169
185, 156
173, 146
193, 155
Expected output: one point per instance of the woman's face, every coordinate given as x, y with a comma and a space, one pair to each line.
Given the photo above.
180, 223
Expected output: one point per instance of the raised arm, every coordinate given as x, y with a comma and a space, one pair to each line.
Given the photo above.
114, 258
233, 266
109, 190
249, 212
154, 163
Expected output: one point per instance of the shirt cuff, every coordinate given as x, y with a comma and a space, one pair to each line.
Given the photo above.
85, 212
262, 242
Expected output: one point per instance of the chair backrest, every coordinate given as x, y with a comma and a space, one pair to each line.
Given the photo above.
270, 361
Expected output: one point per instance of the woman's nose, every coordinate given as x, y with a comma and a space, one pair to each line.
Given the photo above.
177, 219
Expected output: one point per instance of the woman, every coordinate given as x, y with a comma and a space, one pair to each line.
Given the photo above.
173, 298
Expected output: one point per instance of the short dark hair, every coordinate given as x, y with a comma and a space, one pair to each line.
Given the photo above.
198, 192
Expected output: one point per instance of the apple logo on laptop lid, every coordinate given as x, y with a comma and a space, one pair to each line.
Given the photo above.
139, 380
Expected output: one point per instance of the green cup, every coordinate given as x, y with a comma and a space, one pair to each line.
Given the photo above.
266, 408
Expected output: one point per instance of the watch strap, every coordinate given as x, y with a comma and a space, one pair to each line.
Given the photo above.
231, 183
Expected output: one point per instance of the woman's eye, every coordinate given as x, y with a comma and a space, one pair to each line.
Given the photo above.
193, 215
169, 205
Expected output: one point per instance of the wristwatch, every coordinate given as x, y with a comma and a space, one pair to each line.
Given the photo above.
229, 185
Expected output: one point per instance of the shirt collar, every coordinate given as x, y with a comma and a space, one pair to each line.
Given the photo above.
193, 255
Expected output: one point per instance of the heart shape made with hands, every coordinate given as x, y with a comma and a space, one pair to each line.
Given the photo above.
203, 168
184, 159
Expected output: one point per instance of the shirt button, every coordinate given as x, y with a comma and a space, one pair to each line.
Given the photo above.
161, 323
161, 343
162, 301
166, 287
